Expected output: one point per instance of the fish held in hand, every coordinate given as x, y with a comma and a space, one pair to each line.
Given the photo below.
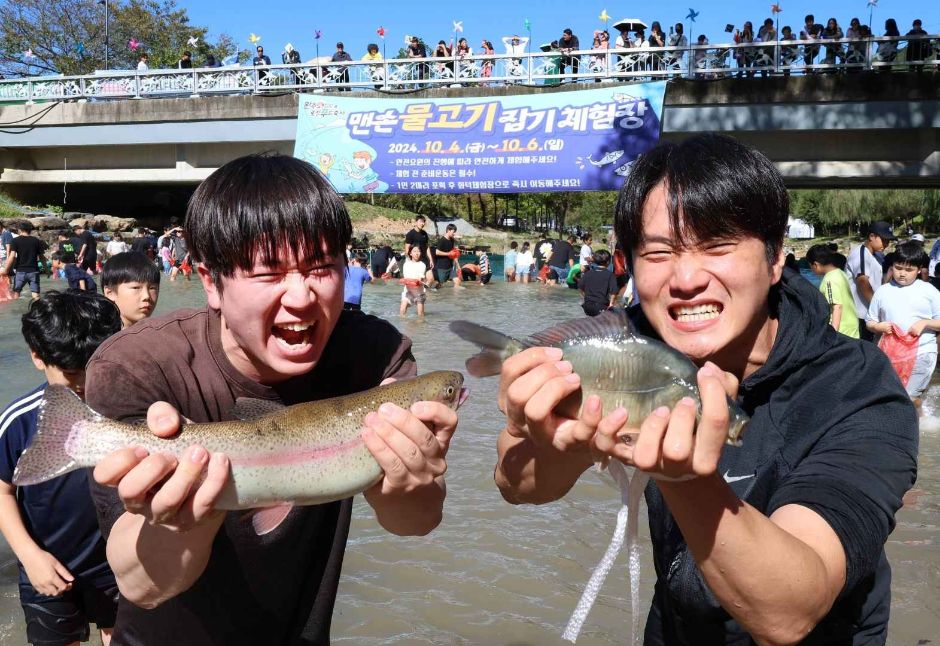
280, 456
619, 366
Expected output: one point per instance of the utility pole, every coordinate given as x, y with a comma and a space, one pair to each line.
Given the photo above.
107, 44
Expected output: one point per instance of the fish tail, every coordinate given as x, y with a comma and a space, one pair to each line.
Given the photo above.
63, 420
497, 347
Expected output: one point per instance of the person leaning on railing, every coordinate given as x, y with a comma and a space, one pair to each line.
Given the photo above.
888, 50
834, 53
372, 55
918, 47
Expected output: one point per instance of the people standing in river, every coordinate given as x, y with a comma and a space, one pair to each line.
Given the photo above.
24, 255
821, 472
446, 257
509, 262
267, 233
414, 283
865, 271
86, 249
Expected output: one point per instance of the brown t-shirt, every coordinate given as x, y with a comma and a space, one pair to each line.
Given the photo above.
273, 589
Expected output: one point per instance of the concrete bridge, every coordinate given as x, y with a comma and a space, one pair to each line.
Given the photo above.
837, 130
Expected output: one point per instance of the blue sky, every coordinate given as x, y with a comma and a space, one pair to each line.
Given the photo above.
354, 21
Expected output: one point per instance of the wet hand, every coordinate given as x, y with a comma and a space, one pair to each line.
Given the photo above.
177, 494
669, 444
540, 395
410, 445
47, 575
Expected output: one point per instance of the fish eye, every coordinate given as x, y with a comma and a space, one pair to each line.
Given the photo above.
449, 391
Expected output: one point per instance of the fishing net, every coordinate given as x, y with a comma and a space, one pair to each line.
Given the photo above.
901, 348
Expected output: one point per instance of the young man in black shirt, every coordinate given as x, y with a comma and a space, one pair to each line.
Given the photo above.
86, 247
598, 286
23, 257
780, 539
445, 257
562, 259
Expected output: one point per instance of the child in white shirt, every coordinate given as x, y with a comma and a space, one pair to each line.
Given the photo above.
912, 306
413, 275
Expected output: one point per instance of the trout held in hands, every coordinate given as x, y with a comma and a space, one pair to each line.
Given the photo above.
304, 454
621, 367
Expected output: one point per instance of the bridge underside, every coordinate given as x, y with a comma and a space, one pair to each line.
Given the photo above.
858, 130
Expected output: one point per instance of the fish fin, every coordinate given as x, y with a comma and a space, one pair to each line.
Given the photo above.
251, 407
268, 519
606, 323
62, 416
497, 347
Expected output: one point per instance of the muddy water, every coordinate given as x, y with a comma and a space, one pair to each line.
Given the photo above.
493, 573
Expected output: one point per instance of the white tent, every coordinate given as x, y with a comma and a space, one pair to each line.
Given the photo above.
799, 229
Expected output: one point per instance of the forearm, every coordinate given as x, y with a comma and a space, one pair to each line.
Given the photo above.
13, 529
731, 541
878, 328
153, 564
836, 317
415, 513
527, 473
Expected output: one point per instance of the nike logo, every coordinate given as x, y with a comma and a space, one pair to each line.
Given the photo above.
730, 479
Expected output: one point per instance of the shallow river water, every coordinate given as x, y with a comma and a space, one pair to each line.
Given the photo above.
493, 573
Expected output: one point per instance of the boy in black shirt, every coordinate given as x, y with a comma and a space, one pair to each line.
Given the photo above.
25, 254
598, 286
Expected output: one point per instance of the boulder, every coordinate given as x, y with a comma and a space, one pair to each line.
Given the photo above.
48, 223
86, 222
114, 223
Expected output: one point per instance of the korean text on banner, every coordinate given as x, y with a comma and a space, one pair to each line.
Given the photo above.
584, 140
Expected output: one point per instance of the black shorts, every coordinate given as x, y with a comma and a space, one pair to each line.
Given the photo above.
62, 620
90, 263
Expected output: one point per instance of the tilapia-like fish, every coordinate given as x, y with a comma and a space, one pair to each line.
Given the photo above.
280, 456
623, 369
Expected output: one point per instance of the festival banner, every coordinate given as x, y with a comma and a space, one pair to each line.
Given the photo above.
585, 140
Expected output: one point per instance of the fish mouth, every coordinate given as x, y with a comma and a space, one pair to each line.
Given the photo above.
462, 396
293, 336
695, 312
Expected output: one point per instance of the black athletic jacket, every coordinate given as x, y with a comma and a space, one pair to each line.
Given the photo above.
832, 429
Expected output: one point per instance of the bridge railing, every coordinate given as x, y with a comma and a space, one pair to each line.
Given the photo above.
536, 68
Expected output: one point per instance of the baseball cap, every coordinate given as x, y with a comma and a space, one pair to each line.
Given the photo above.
919, 237
883, 230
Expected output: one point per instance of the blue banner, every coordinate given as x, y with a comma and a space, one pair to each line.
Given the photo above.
582, 140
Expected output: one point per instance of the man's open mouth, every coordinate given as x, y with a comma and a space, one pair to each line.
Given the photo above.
693, 313
293, 335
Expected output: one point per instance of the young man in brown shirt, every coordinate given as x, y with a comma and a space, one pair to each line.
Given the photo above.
267, 234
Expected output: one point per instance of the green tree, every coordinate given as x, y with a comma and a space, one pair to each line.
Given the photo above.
68, 36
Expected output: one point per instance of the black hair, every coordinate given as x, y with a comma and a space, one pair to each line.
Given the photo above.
525, 247
911, 253
361, 258
586, 237
601, 257
716, 188
809, 18
165, 242
68, 257
129, 267
420, 217
513, 245
823, 254
24, 226
258, 203
65, 328
451, 227
790, 261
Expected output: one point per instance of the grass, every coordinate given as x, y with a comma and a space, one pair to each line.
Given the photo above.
361, 212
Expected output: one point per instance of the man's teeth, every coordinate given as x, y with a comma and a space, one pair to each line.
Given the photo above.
295, 327
698, 312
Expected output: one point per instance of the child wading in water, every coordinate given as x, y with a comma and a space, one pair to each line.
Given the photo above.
413, 277
65, 582
905, 310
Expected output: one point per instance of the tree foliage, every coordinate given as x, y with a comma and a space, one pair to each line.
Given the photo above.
843, 211
68, 36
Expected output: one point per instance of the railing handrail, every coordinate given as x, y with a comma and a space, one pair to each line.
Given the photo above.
625, 63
